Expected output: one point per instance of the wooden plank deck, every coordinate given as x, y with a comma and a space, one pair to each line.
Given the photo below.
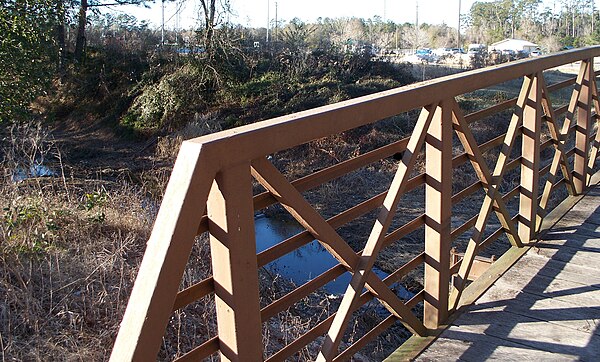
546, 307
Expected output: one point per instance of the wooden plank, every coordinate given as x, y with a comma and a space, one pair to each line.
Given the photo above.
332, 172
565, 271
324, 325
404, 230
553, 275
296, 241
560, 85
472, 346
233, 256
305, 183
479, 115
416, 345
545, 308
576, 293
168, 250
466, 192
573, 237
463, 228
289, 299
570, 251
527, 331
404, 270
297, 344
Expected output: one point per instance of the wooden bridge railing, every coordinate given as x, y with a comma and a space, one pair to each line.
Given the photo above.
211, 190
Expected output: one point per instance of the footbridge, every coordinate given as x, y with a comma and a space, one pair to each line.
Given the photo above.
474, 188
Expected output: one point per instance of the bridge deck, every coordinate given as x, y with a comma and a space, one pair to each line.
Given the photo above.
546, 307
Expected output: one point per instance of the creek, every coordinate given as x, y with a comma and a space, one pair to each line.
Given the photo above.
307, 262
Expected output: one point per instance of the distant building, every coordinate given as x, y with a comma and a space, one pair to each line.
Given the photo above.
515, 45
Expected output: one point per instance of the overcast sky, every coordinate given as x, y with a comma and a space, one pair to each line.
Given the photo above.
254, 12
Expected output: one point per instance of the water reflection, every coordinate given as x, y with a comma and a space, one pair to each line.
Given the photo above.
307, 262
33, 171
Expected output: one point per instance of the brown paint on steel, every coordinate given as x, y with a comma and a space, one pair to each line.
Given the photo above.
203, 158
438, 208
233, 256
582, 132
162, 267
530, 159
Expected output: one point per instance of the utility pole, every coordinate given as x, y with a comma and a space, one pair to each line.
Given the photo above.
417, 28
458, 28
593, 3
268, 19
177, 23
162, 28
276, 24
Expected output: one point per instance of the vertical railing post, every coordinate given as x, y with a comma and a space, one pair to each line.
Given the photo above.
233, 254
584, 125
438, 210
530, 160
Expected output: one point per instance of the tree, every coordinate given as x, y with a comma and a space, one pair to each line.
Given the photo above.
213, 16
502, 18
296, 34
84, 7
27, 53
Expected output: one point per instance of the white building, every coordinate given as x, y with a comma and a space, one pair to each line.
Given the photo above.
516, 45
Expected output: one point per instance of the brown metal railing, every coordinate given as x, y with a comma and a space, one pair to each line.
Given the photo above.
210, 191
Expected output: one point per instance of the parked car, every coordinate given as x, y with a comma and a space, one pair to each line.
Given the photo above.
509, 54
476, 49
426, 55
442, 52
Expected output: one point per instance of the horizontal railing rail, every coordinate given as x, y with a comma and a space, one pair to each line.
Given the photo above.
539, 148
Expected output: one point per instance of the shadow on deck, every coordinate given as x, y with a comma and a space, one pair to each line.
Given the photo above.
547, 306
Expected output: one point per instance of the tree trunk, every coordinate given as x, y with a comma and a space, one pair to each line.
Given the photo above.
80, 42
209, 7
60, 36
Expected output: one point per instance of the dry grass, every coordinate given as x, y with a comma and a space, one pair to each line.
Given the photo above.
69, 252
70, 247
68, 259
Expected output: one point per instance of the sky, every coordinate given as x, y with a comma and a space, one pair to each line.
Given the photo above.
253, 13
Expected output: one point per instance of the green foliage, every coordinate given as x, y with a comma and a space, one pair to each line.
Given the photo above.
29, 227
158, 103
278, 83
94, 204
27, 53
95, 200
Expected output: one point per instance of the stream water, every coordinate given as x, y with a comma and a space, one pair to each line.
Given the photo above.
307, 262
37, 170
